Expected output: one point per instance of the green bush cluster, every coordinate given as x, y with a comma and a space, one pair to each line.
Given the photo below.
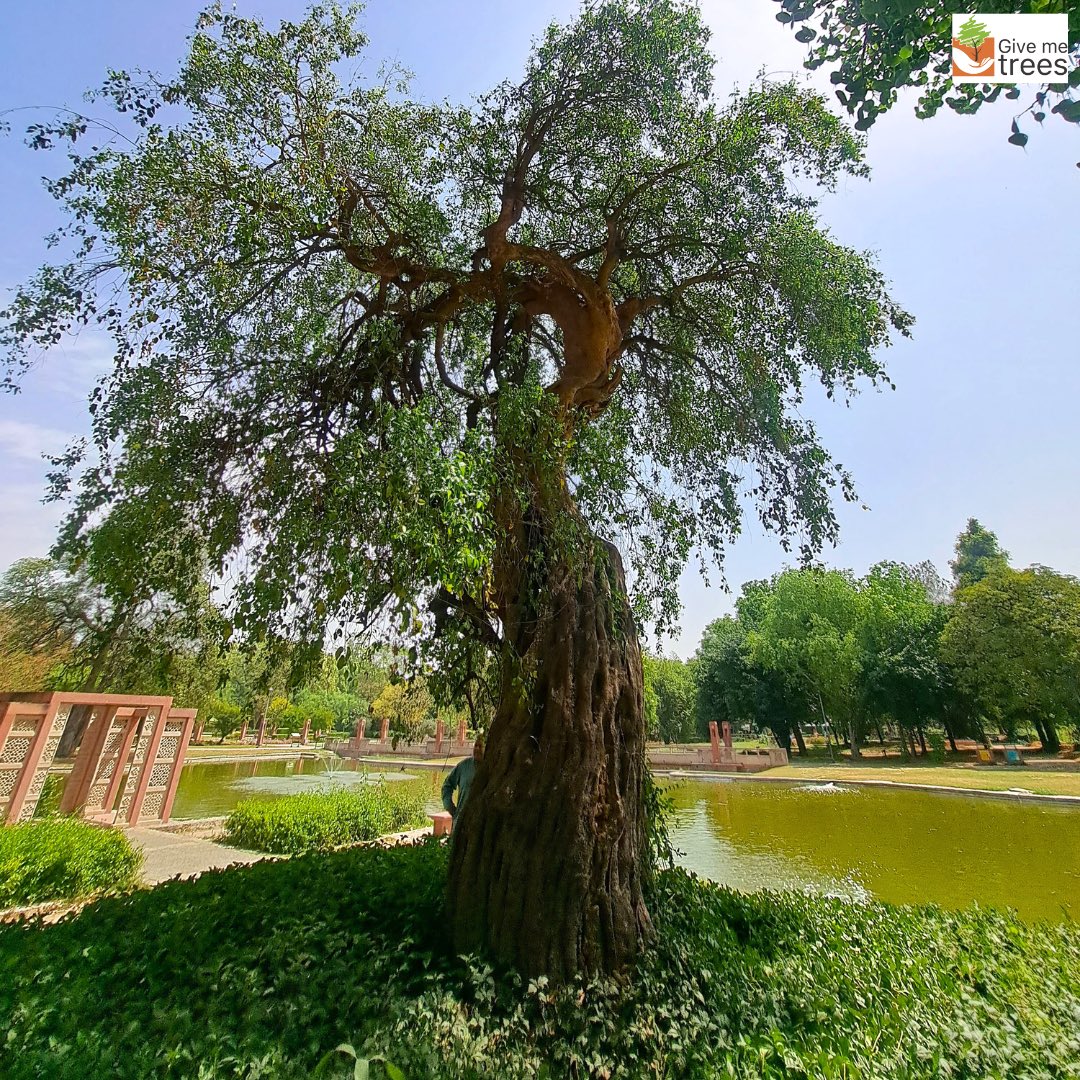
60, 859
323, 820
263, 971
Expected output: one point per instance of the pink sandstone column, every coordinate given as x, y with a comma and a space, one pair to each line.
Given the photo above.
438, 736
243, 731
304, 732
461, 731
384, 729
30, 761
714, 739
727, 734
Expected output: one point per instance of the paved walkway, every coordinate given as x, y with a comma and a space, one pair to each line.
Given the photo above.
175, 854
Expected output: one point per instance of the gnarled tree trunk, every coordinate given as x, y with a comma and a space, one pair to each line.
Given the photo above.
548, 854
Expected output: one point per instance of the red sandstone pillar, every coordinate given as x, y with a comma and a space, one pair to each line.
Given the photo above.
726, 728
304, 732
359, 729
438, 736
461, 731
714, 739
198, 732
243, 731
384, 729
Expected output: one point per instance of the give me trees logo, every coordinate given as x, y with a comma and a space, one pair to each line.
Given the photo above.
973, 49
1010, 48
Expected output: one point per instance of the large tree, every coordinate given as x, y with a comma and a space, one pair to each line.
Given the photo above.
379, 355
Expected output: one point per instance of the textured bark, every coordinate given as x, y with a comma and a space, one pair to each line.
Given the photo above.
548, 854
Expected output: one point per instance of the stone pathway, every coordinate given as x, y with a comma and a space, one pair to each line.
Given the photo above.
173, 854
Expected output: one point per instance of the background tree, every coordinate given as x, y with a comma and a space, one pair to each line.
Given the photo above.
409, 710
901, 676
809, 632
875, 48
222, 717
733, 686
1013, 643
670, 684
978, 554
432, 361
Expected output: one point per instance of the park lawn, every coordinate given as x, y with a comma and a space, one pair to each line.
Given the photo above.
962, 777
262, 971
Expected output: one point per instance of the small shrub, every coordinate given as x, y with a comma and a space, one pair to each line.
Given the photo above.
60, 859
322, 820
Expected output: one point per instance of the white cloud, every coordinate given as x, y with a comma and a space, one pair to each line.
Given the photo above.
29, 525
23, 441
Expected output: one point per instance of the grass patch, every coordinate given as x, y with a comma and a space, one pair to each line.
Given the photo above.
261, 971
61, 859
988, 778
323, 820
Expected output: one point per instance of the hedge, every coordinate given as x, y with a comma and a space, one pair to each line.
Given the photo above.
61, 859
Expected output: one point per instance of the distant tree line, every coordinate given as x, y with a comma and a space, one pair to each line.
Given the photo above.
897, 655
62, 630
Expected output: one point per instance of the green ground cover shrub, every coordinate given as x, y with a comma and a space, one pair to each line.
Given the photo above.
261, 971
323, 820
60, 859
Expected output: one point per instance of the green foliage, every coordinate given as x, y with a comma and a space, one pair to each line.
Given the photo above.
409, 710
61, 859
358, 301
670, 699
875, 48
222, 717
811, 646
322, 820
732, 686
1013, 643
978, 554
748, 986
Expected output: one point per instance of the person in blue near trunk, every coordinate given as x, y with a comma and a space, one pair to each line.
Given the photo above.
461, 778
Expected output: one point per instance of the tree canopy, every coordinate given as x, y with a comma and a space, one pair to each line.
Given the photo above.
331, 303
978, 554
1014, 645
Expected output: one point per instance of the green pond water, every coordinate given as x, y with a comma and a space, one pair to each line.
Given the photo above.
903, 846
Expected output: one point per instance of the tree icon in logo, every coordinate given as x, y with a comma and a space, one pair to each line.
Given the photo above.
973, 33
971, 38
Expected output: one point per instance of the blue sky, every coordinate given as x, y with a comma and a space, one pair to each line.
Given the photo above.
979, 239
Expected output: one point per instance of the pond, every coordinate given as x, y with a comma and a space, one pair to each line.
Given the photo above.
904, 846
213, 788
907, 847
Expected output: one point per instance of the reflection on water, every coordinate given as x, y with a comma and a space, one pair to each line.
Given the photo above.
902, 846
